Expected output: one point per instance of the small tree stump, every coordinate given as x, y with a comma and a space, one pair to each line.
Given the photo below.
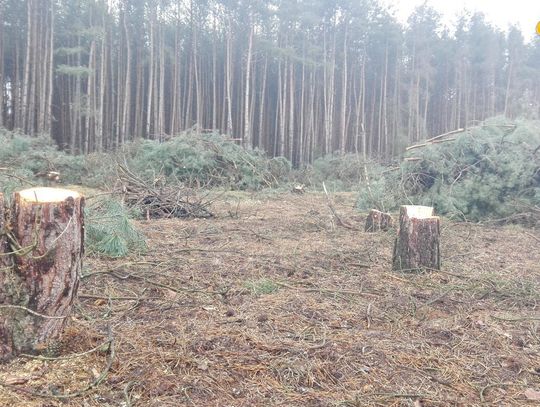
378, 220
41, 268
417, 243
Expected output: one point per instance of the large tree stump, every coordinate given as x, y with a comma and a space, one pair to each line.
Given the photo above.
9, 286
417, 243
378, 220
42, 265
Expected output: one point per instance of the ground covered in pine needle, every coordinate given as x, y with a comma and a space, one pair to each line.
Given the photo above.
274, 303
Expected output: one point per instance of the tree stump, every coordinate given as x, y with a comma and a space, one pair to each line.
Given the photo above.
42, 243
378, 220
9, 286
417, 243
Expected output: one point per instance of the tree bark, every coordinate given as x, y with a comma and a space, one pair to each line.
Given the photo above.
42, 247
228, 79
378, 220
9, 282
417, 243
247, 139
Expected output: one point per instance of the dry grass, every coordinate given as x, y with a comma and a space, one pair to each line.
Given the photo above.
273, 304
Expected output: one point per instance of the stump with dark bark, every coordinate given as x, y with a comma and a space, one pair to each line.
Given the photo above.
42, 245
378, 220
417, 244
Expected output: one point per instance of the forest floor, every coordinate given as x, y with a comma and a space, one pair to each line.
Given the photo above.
272, 303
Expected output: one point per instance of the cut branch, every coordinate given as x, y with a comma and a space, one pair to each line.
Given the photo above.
157, 200
436, 139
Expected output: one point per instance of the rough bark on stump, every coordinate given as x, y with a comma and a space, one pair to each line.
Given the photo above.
378, 220
45, 230
9, 286
417, 243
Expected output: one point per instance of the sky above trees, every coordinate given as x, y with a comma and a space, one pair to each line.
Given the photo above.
524, 13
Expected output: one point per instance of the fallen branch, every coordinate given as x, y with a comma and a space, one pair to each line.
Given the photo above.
533, 236
396, 395
326, 290
412, 159
37, 314
440, 136
444, 141
518, 319
72, 356
340, 221
436, 139
103, 297
490, 386
21, 179
157, 200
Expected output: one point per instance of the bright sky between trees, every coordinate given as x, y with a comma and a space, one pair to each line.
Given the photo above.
502, 13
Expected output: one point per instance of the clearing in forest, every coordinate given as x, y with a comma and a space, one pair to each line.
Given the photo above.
273, 303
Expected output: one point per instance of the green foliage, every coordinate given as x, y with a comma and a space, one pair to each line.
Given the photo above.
63, 51
338, 172
190, 159
380, 189
109, 230
99, 170
21, 157
490, 171
77, 71
205, 160
262, 286
13, 181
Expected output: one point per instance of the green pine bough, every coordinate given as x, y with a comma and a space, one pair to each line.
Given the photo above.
489, 171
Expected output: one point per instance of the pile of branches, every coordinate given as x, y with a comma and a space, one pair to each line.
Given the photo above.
157, 200
489, 172
206, 160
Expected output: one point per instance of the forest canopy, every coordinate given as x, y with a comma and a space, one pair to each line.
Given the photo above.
295, 78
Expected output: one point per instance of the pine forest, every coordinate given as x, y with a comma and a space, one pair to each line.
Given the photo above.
295, 78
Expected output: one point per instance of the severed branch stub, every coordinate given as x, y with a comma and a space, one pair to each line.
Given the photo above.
41, 243
378, 220
417, 244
